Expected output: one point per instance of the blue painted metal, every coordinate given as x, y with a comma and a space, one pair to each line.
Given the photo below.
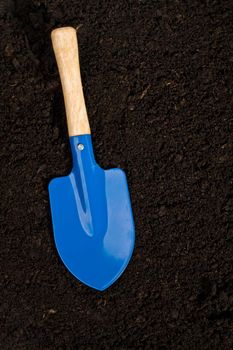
92, 218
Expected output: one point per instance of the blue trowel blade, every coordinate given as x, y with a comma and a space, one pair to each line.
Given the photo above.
92, 218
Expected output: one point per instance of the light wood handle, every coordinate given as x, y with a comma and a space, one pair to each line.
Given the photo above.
65, 46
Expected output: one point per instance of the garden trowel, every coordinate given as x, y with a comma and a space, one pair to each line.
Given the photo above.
91, 211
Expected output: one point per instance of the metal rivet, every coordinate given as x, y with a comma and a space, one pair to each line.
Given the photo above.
80, 147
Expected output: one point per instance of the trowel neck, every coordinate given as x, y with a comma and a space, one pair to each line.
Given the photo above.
82, 150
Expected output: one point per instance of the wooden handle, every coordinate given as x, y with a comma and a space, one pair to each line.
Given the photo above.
65, 46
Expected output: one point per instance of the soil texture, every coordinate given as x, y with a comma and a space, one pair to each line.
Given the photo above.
157, 78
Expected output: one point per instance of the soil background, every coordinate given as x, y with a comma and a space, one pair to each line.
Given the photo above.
157, 77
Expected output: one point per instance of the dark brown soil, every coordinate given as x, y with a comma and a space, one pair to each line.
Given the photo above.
157, 77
